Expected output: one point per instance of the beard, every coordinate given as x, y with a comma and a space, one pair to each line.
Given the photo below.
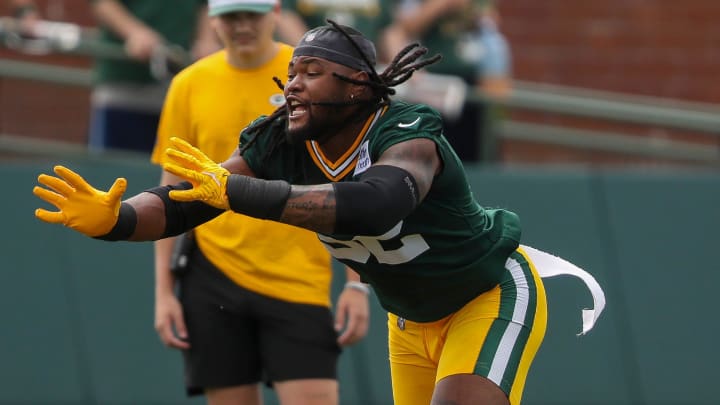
297, 136
317, 128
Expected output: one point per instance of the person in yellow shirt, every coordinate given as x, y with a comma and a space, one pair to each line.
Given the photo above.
254, 302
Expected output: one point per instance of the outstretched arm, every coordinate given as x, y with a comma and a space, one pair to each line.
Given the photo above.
358, 206
149, 215
386, 193
140, 39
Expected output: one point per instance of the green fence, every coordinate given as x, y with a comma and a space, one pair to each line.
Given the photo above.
77, 314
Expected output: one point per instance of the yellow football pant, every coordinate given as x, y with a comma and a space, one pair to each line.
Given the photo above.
496, 335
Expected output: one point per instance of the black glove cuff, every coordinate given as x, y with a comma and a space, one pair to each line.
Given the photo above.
263, 199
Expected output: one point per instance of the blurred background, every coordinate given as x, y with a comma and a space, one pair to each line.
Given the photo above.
598, 122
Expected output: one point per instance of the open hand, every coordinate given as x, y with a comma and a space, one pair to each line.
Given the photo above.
81, 207
209, 179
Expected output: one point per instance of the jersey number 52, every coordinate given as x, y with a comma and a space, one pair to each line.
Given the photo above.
360, 248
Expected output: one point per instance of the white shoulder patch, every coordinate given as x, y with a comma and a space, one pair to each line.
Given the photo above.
363, 160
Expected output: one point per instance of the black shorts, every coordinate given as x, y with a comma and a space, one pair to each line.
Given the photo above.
240, 337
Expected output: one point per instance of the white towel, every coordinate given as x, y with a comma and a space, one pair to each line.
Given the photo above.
548, 265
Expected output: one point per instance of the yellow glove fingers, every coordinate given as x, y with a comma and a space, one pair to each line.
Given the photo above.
193, 154
49, 196
73, 179
81, 207
186, 195
183, 159
56, 184
184, 146
50, 217
207, 177
117, 190
188, 174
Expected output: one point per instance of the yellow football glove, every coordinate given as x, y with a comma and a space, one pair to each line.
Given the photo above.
83, 208
209, 179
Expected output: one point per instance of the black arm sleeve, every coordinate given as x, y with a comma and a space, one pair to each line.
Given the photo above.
179, 216
263, 199
183, 216
372, 206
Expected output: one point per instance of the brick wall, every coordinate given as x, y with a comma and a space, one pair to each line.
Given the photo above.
661, 48
39, 109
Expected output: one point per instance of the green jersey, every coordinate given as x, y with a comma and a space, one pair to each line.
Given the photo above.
431, 263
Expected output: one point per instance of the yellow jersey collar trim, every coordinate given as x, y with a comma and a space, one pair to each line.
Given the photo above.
346, 163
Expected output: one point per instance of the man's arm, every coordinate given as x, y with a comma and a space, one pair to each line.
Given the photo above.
169, 319
352, 311
149, 215
205, 40
385, 194
140, 39
315, 207
416, 21
291, 27
152, 211
410, 24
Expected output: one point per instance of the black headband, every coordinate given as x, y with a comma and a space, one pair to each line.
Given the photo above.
328, 43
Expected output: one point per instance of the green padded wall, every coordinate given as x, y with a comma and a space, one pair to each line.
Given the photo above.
664, 245
77, 314
40, 353
558, 214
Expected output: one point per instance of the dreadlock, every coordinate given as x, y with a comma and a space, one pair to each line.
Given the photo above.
402, 67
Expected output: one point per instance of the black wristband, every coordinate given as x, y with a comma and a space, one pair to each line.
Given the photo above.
263, 199
125, 225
